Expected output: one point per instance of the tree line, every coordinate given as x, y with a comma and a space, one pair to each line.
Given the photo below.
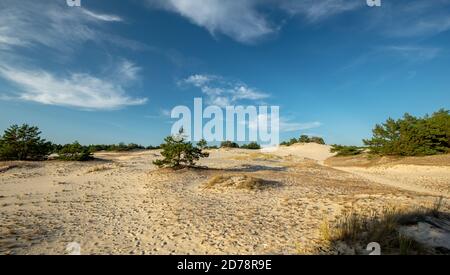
25, 143
407, 136
303, 139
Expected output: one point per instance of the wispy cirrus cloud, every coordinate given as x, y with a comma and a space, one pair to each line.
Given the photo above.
315, 11
223, 92
409, 19
413, 53
245, 21
103, 17
285, 124
53, 25
79, 90
36, 25
237, 19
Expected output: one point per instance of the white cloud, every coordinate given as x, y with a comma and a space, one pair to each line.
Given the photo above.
128, 70
414, 19
77, 90
237, 19
31, 24
244, 20
285, 124
103, 17
317, 10
413, 53
289, 126
199, 80
39, 24
223, 92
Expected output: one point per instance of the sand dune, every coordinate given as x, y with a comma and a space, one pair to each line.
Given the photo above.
123, 204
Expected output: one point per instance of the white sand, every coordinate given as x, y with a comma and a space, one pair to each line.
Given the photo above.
124, 205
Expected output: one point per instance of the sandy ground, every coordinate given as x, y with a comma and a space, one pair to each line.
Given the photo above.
122, 204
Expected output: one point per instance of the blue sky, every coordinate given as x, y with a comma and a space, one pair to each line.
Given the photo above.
110, 71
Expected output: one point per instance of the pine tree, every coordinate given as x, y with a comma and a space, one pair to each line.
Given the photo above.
412, 136
179, 153
23, 143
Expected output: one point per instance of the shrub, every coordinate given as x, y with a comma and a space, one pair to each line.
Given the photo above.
23, 143
317, 140
251, 146
229, 144
303, 139
75, 152
343, 150
412, 136
202, 144
178, 153
121, 147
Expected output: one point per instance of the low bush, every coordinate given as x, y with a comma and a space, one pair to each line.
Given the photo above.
251, 146
75, 152
343, 150
303, 139
229, 144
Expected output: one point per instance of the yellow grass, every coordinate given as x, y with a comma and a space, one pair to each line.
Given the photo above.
237, 181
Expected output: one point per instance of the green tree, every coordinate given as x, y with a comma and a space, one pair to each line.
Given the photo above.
343, 150
179, 153
75, 152
304, 139
412, 136
317, 140
23, 143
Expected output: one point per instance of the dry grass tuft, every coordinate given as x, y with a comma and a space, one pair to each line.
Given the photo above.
238, 182
258, 156
356, 230
98, 168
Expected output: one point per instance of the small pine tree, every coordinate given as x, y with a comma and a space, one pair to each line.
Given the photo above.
179, 153
23, 143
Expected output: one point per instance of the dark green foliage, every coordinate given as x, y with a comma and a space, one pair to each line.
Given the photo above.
179, 153
251, 146
202, 144
317, 140
121, 147
23, 143
303, 139
343, 150
75, 152
229, 144
412, 136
